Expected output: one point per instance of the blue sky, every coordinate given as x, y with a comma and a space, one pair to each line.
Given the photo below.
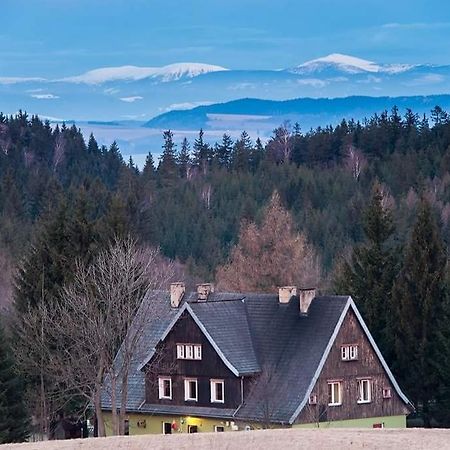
54, 38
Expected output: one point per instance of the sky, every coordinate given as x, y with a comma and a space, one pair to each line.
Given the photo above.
56, 38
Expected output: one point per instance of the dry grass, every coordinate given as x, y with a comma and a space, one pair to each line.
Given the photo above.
270, 439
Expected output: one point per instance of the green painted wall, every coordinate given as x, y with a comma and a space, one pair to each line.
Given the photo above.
389, 422
154, 423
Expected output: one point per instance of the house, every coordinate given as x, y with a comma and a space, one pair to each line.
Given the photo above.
212, 361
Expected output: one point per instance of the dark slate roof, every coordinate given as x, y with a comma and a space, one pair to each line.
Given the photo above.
219, 413
158, 321
294, 347
253, 334
225, 323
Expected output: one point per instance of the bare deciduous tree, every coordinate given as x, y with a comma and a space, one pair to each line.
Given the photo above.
355, 161
102, 310
270, 255
281, 143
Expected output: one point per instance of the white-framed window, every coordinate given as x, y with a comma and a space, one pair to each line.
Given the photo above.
387, 393
197, 352
190, 389
189, 351
349, 352
364, 391
312, 399
334, 393
165, 387
217, 391
219, 428
180, 351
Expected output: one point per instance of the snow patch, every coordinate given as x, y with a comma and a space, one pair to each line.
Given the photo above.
171, 72
348, 64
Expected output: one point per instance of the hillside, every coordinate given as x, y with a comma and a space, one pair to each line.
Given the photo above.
386, 439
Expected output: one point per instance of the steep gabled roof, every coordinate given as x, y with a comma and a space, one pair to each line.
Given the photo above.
292, 365
233, 342
252, 333
226, 327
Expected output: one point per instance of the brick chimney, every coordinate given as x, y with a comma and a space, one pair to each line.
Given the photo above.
203, 291
286, 292
176, 294
306, 297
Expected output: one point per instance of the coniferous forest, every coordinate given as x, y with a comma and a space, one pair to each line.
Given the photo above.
369, 200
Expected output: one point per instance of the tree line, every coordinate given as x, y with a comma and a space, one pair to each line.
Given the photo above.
212, 208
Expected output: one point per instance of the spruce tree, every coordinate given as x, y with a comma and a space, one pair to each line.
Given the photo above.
148, 172
241, 156
167, 168
14, 420
369, 276
184, 158
201, 153
420, 302
223, 151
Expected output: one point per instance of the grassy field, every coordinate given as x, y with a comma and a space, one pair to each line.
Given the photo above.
268, 439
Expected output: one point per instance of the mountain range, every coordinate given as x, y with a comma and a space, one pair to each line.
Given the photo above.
141, 93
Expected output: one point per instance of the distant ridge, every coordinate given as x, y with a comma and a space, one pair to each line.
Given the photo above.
308, 111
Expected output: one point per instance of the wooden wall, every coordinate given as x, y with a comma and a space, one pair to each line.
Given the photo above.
367, 365
210, 366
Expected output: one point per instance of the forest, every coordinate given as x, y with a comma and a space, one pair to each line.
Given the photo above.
362, 208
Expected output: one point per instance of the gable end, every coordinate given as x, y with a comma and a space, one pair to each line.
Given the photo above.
350, 305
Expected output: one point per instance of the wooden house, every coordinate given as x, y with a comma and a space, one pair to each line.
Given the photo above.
211, 361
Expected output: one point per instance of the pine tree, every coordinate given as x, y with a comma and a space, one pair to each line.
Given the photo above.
148, 172
184, 159
167, 168
241, 155
420, 303
256, 155
201, 153
370, 274
223, 151
14, 420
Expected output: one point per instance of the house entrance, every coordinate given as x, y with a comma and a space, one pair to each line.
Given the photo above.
167, 428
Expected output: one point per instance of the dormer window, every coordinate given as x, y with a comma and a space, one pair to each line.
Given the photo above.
349, 352
189, 351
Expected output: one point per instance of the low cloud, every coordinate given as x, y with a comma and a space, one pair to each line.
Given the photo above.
186, 105
415, 25
431, 78
131, 99
370, 79
45, 96
15, 80
313, 82
111, 91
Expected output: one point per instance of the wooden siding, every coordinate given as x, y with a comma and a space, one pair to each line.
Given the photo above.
165, 363
348, 372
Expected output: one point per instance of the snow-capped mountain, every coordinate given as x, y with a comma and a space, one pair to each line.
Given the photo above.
168, 73
140, 93
348, 64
